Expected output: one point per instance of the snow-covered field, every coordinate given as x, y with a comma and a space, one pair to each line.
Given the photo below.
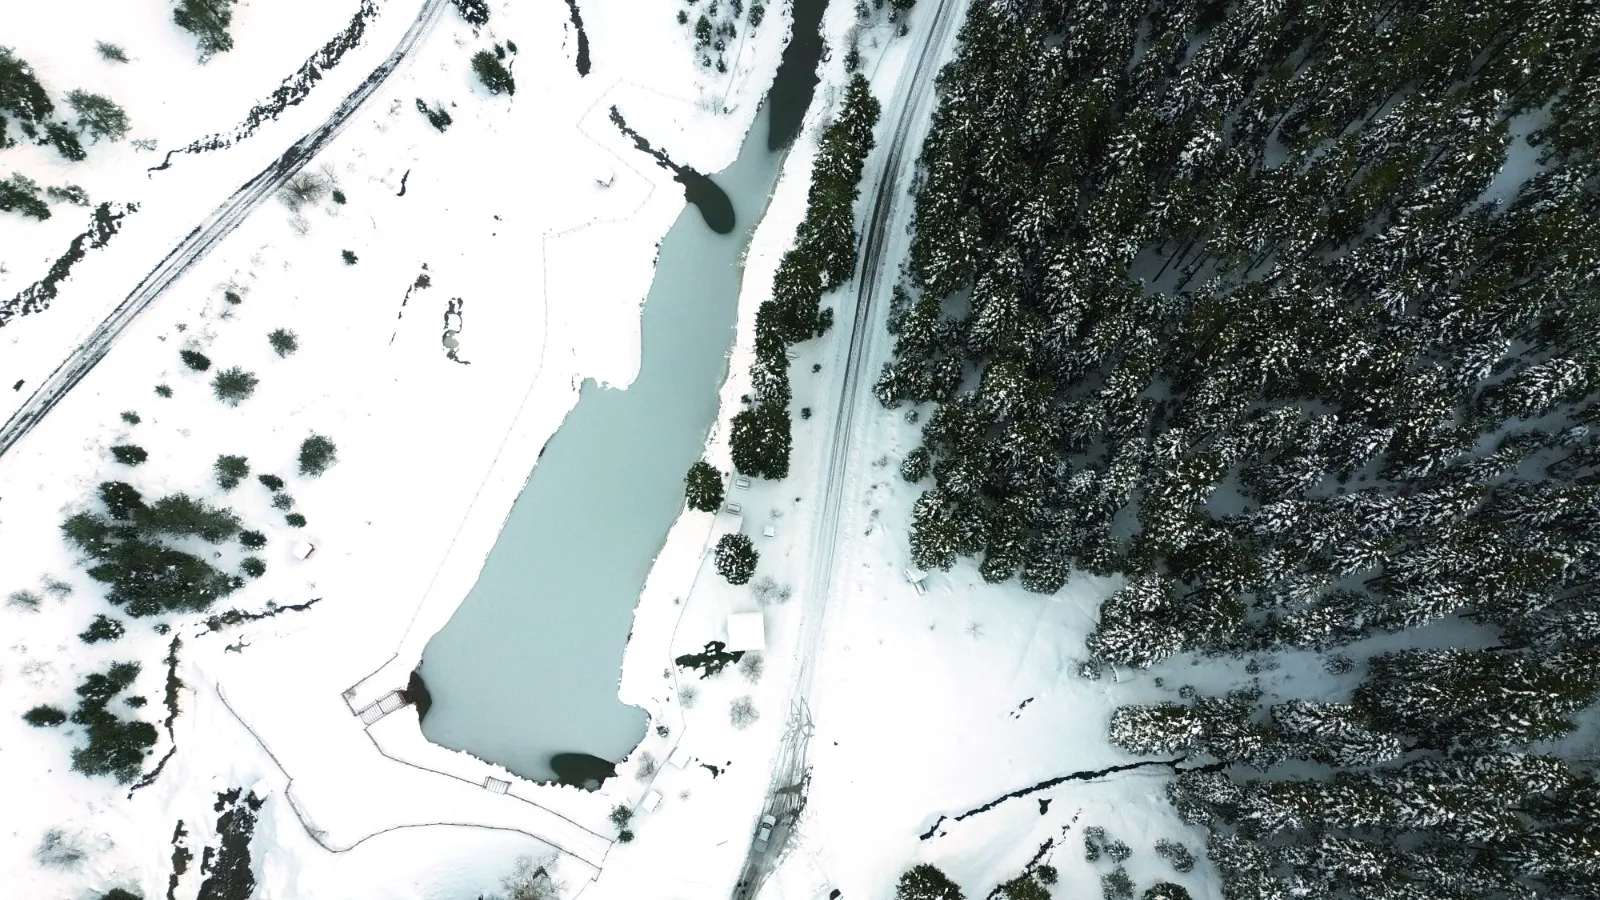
535, 222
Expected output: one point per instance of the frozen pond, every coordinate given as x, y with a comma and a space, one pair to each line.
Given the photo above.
528, 666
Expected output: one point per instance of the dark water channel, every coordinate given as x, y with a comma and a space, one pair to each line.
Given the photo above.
525, 673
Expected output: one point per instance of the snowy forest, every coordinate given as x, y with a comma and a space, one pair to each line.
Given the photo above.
1286, 314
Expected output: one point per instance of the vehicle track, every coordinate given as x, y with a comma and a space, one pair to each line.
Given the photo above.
204, 237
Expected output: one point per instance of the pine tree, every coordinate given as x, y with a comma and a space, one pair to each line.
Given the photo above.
1464, 698
21, 94
122, 500
760, 441
98, 116
103, 628
231, 470
1132, 629
317, 454
208, 21
703, 487
925, 881
284, 342
492, 73
44, 716
475, 12
234, 385
129, 454
736, 558
20, 194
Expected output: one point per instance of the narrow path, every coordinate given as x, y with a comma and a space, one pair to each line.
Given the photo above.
205, 236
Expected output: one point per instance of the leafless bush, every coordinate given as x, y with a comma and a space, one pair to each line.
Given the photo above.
769, 592
752, 665
57, 588
742, 712
531, 879
305, 189
38, 672
647, 764
687, 695
27, 601
59, 850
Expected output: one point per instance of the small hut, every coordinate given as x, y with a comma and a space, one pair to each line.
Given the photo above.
747, 631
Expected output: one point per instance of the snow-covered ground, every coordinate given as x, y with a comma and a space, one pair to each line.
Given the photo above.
917, 698
508, 214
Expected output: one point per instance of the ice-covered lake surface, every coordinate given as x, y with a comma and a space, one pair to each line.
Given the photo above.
528, 665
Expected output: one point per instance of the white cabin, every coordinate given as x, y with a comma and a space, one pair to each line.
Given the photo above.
747, 631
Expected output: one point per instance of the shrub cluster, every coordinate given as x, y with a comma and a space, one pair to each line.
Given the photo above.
436, 114
20, 194
22, 97
129, 550
116, 747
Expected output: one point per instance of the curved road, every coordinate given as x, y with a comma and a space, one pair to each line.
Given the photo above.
206, 235
876, 270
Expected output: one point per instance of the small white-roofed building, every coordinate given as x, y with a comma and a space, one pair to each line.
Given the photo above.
747, 631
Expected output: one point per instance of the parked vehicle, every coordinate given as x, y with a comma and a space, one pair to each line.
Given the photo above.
764, 833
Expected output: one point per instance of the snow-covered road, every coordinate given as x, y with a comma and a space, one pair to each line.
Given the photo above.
882, 245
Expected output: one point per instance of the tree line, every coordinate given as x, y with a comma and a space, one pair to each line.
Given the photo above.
823, 258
